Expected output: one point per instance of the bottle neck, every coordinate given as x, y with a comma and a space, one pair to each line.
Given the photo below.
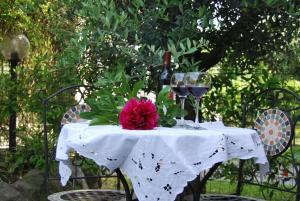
166, 66
167, 60
165, 73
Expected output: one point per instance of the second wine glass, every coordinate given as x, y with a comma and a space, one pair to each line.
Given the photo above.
198, 83
178, 85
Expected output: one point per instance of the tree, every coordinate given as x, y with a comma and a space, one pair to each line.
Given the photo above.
199, 34
75, 41
38, 21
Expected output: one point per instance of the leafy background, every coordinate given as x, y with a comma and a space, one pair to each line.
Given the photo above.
117, 45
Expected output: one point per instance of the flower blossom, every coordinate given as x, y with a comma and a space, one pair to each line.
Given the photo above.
139, 115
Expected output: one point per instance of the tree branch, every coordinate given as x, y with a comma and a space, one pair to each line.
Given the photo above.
245, 23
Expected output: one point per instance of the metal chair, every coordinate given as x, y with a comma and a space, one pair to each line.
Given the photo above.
274, 113
87, 195
71, 116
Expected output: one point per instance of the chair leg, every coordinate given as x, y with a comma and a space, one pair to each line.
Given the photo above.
240, 178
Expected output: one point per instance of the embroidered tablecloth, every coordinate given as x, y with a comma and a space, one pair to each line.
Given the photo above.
159, 162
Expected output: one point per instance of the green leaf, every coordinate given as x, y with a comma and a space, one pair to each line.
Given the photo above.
97, 121
173, 110
202, 10
162, 95
297, 155
192, 50
180, 6
182, 46
104, 119
86, 115
116, 25
188, 41
136, 87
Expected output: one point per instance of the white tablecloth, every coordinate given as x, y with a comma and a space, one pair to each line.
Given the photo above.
159, 162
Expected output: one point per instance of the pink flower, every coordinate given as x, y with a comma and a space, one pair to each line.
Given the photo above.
139, 115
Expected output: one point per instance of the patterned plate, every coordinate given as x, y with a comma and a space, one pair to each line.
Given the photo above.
274, 129
72, 115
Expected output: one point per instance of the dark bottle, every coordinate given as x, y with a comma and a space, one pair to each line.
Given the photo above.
166, 72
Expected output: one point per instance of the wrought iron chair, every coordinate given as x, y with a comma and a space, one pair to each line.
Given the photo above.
274, 113
72, 116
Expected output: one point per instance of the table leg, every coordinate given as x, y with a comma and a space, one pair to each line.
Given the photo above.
240, 178
197, 186
125, 184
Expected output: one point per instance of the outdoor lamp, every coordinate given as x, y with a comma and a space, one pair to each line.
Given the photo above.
14, 48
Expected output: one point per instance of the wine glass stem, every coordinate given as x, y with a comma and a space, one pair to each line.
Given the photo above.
182, 100
197, 111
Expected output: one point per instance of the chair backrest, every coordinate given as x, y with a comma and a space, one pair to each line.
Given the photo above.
274, 114
275, 130
54, 101
73, 114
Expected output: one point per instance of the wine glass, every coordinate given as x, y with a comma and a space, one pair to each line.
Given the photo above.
178, 86
198, 83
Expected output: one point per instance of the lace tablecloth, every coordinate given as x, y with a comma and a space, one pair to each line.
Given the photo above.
159, 162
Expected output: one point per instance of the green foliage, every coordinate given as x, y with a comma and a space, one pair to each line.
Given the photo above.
40, 74
247, 46
297, 152
28, 156
112, 92
167, 109
253, 191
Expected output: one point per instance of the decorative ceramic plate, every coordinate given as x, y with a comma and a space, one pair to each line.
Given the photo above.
72, 115
274, 129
